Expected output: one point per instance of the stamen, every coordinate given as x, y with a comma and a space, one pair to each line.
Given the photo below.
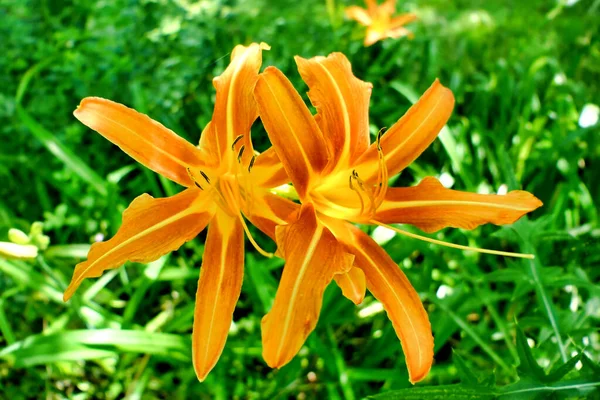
205, 177
237, 139
256, 246
193, 179
241, 153
251, 163
379, 137
452, 245
362, 203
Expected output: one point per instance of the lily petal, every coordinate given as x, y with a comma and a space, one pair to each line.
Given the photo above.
411, 135
402, 20
342, 103
268, 170
313, 256
430, 207
142, 138
387, 282
291, 128
353, 284
359, 14
151, 228
218, 291
235, 109
269, 211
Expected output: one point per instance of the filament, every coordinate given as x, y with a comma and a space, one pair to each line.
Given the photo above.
256, 246
453, 245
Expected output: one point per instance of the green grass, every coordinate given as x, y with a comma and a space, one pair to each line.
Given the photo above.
521, 73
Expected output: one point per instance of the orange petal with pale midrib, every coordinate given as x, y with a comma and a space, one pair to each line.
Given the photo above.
313, 256
151, 228
430, 207
292, 129
387, 282
218, 291
142, 138
411, 135
342, 103
235, 109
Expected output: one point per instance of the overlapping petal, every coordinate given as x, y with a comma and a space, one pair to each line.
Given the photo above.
353, 284
342, 103
313, 256
411, 135
268, 211
142, 138
268, 171
218, 291
151, 228
235, 109
292, 129
387, 282
430, 207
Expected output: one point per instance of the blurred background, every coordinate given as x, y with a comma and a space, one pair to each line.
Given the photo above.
525, 76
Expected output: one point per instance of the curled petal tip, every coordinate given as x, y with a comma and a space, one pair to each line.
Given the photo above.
264, 46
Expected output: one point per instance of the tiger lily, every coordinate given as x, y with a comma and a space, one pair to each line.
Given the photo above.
341, 180
224, 181
379, 21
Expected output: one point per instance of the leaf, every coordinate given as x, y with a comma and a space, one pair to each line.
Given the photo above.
444, 392
464, 372
560, 371
528, 366
94, 344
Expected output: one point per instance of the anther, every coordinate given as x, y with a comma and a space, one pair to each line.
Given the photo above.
205, 177
251, 163
194, 179
241, 153
379, 138
237, 139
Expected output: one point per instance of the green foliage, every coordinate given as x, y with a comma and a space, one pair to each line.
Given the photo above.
522, 75
533, 383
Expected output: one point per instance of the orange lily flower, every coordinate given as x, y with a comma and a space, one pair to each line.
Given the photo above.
341, 179
224, 181
379, 21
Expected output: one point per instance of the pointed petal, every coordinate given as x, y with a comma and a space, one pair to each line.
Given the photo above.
313, 257
399, 32
218, 291
402, 20
142, 138
430, 207
291, 128
235, 108
388, 7
358, 14
268, 210
412, 134
353, 284
371, 6
151, 228
342, 103
387, 282
268, 170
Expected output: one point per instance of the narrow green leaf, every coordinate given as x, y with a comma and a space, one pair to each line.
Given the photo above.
443, 392
62, 152
464, 372
528, 367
